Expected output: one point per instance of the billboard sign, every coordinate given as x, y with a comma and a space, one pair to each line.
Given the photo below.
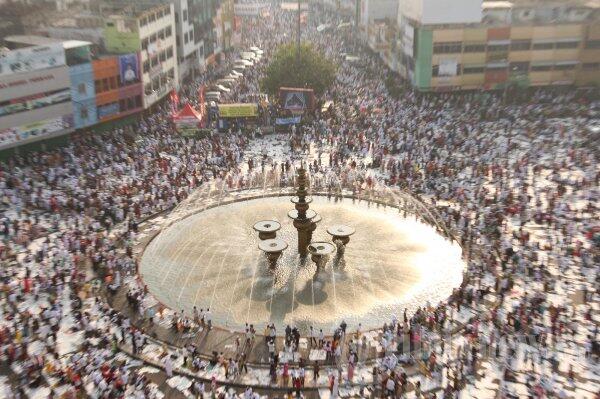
34, 83
238, 110
129, 69
296, 100
448, 67
35, 129
408, 40
35, 101
31, 59
108, 110
288, 121
249, 9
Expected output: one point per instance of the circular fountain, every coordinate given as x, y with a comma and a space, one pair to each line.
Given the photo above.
208, 254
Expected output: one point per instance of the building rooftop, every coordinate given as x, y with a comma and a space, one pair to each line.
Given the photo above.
496, 4
128, 9
500, 4
33, 40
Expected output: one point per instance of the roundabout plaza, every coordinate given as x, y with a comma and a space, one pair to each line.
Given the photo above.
293, 274
408, 246
300, 257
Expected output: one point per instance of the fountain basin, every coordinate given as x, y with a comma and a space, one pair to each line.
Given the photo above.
211, 259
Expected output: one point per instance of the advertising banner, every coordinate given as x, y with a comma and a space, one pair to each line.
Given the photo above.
34, 129
238, 110
288, 121
128, 69
296, 100
408, 39
34, 102
32, 58
34, 83
249, 9
108, 110
448, 67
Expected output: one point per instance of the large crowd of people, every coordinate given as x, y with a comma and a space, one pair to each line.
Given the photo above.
516, 182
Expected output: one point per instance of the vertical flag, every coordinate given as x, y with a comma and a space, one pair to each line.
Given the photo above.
174, 101
201, 104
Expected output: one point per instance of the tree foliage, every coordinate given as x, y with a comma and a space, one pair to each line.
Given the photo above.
310, 69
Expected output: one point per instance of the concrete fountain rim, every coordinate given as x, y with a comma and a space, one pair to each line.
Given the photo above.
251, 195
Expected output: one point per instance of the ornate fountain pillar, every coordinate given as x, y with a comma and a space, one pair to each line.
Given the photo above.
267, 229
272, 247
340, 235
320, 252
302, 216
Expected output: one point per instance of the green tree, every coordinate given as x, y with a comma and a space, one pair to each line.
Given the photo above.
311, 69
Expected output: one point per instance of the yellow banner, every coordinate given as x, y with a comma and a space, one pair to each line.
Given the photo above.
237, 110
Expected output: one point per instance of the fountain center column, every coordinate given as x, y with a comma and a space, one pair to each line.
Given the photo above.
302, 222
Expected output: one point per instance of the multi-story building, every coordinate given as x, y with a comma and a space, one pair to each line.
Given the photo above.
467, 44
190, 46
46, 89
149, 31
377, 23
227, 25
202, 14
119, 90
189, 51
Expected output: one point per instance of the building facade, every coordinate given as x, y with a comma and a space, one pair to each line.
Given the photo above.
35, 105
202, 14
46, 89
118, 92
149, 32
190, 51
377, 26
83, 93
492, 45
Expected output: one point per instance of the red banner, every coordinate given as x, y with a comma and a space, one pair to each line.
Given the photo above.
174, 101
201, 101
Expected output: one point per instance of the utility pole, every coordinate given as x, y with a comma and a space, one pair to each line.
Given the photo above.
298, 35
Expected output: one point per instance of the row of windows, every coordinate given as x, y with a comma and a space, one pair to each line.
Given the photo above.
156, 59
126, 104
515, 45
516, 67
160, 35
188, 36
106, 84
592, 44
123, 105
164, 11
159, 81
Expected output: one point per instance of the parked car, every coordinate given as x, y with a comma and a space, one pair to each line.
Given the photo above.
248, 63
213, 96
222, 88
227, 82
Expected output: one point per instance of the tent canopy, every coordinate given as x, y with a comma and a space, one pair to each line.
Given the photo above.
187, 115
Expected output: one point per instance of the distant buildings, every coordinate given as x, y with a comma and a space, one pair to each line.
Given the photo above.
46, 89
148, 33
440, 45
100, 62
